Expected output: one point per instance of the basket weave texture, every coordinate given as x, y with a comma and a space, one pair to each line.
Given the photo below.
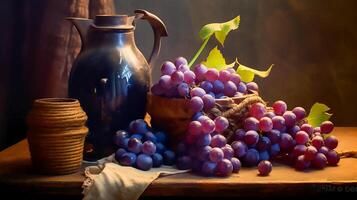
56, 133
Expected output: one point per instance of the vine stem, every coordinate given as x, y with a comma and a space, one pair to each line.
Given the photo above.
199, 52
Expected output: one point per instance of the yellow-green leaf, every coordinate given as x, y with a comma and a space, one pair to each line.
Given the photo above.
220, 30
318, 114
247, 74
216, 60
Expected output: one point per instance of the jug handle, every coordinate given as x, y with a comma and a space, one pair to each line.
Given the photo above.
157, 26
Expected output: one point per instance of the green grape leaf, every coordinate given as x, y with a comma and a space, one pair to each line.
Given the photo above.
220, 30
318, 114
216, 60
247, 74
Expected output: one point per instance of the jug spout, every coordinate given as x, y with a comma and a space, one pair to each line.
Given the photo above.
82, 26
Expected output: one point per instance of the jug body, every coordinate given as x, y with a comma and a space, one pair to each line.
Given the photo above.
111, 78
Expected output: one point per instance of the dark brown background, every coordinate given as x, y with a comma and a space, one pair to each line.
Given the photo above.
313, 44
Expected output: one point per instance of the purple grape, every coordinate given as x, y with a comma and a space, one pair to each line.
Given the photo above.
183, 89
324, 150
301, 137
263, 144
310, 153
157, 90
127, 159
199, 92
165, 82
172, 93
134, 145
144, 162
212, 74
180, 61
251, 158
216, 154
299, 150
229, 89
157, 160
177, 77
189, 77
148, 148
169, 157
218, 87
301, 163
320, 161
208, 125
293, 130
239, 135
286, 142
221, 124
119, 153
317, 142
274, 136
137, 136
269, 114
161, 137
219, 96
279, 107
200, 71
204, 140
224, 168
242, 88
240, 149
290, 118
183, 163
264, 168
218, 141
196, 104
317, 130
299, 112
119, 137
274, 150
203, 153
236, 165
333, 158
252, 86
209, 168
138, 126
228, 151
326, 127
279, 123
231, 70
251, 123
307, 128
224, 76
235, 78
168, 68
263, 155
149, 136
196, 165
251, 138
207, 86
197, 115
265, 124
195, 128
183, 68
257, 110
208, 101
331, 142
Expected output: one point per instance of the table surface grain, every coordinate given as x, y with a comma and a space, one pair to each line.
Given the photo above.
16, 172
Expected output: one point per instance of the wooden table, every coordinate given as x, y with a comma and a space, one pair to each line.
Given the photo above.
16, 175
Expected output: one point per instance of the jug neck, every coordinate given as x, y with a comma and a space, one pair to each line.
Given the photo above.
100, 38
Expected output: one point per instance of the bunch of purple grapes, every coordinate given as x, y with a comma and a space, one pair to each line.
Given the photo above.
141, 148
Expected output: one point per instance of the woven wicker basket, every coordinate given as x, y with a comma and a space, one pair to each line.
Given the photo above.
56, 133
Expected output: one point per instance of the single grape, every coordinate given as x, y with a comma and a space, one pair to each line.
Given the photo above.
240, 149
264, 168
169, 157
195, 128
229, 89
138, 126
317, 142
219, 96
251, 138
197, 115
189, 77
332, 157
224, 76
134, 145
235, 78
326, 127
180, 61
203, 153
307, 128
279, 107
236, 165
196, 104
252, 86
208, 101
168, 68
239, 134
228, 151
137, 136
320, 161
257, 110
149, 136
274, 136
161, 137
251, 123
212, 94
301, 137
156, 160
216, 154
324, 150
177, 77
157, 90
331, 142
119, 153
218, 87
301, 163
242, 88
310, 153
160, 148
299, 150
207, 86
197, 92
212, 74
251, 158
204, 140
183, 89
172, 93
183, 163
221, 123
263, 144
224, 168
148, 148
279, 123
299, 112
293, 130
274, 150
200, 71
286, 142
183, 68
269, 114
119, 137
231, 70
265, 124
218, 141
144, 162
127, 159
263, 155
290, 118
165, 82
208, 125
209, 168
